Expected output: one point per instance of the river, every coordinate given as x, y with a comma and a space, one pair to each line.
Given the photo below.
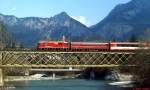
67, 84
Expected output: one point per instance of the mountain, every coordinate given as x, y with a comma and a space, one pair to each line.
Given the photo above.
124, 21
6, 39
30, 30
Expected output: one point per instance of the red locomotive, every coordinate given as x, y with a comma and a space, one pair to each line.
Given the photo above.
88, 46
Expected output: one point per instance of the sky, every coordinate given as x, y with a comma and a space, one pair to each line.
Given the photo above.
88, 12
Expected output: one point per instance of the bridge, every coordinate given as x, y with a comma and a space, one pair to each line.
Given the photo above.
44, 59
64, 59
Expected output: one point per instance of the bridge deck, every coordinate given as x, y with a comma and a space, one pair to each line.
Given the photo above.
57, 70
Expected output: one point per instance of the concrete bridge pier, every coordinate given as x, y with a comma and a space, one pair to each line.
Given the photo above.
54, 75
27, 72
92, 75
1, 78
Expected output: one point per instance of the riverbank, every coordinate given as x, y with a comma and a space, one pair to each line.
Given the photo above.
123, 82
26, 78
125, 77
112, 77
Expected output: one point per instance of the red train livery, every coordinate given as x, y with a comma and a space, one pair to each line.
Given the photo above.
76, 46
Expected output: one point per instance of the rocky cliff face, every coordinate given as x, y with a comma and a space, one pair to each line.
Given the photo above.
30, 30
125, 20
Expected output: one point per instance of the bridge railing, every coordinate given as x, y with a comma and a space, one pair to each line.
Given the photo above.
65, 59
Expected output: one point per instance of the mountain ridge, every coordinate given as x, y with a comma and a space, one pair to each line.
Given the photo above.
30, 30
124, 21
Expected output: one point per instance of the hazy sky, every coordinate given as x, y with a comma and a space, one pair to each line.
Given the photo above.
88, 12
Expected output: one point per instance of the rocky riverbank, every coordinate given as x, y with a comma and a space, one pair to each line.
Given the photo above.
105, 74
24, 78
113, 75
89, 73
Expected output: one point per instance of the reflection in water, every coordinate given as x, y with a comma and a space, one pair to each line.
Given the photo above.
70, 84
21, 84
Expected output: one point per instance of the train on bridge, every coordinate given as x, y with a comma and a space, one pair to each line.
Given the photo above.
89, 46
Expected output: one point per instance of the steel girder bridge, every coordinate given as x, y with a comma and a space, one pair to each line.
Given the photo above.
65, 59
39, 59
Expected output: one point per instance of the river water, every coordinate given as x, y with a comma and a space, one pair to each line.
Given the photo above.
68, 84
